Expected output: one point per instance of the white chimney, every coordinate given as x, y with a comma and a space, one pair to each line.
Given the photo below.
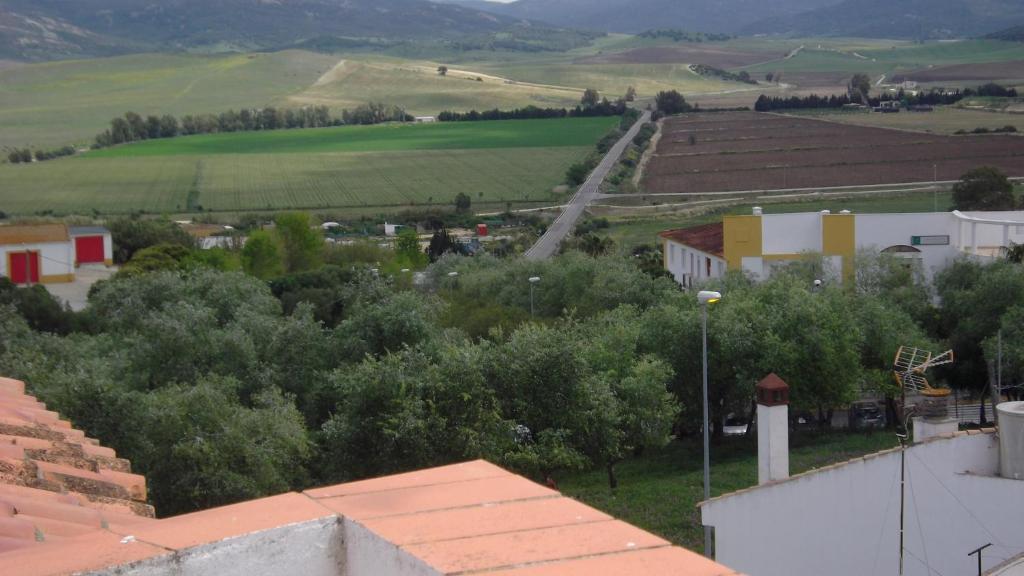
772, 429
844, 211
758, 211
826, 212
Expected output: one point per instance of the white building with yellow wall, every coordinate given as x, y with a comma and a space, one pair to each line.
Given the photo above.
759, 242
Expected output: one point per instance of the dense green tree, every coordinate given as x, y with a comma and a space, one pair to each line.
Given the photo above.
261, 257
590, 98
302, 245
859, 87
463, 203
407, 250
133, 234
671, 102
984, 188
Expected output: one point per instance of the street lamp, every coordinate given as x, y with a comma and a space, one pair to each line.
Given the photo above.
533, 282
455, 281
706, 298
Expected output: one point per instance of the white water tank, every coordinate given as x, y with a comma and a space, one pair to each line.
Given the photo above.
758, 211
1011, 439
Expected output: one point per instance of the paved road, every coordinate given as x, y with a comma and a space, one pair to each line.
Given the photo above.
548, 244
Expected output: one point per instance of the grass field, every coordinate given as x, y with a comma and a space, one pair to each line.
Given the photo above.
944, 120
660, 490
380, 138
58, 103
386, 167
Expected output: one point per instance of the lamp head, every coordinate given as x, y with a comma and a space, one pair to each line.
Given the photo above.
534, 279
708, 297
453, 274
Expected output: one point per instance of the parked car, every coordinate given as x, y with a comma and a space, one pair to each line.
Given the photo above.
735, 425
866, 415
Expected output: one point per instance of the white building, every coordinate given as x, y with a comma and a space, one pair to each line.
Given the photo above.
759, 242
50, 253
844, 520
693, 255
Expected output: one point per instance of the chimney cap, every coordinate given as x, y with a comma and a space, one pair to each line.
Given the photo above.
772, 391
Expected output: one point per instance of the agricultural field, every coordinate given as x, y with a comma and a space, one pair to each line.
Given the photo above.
387, 168
752, 151
69, 102
944, 120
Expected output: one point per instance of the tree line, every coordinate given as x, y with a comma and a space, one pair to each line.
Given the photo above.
26, 155
933, 97
589, 108
133, 127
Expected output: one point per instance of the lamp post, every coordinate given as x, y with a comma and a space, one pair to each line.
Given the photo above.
935, 187
533, 282
455, 281
706, 298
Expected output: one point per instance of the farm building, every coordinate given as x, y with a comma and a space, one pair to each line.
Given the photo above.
49, 253
760, 242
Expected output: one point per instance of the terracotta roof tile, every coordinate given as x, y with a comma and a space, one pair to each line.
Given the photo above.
530, 546
667, 561
475, 470
216, 524
484, 520
707, 238
94, 551
437, 497
56, 480
30, 233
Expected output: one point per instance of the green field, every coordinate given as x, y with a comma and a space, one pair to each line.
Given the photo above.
385, 167
57, 103
380, 138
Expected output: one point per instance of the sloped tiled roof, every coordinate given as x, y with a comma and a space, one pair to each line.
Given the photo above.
708, 238
33, 233
469, 518
55, 482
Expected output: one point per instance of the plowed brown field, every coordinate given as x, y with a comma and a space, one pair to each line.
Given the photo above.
752, 151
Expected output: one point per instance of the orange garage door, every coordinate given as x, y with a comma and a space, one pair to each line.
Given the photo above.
89, 249
23, 267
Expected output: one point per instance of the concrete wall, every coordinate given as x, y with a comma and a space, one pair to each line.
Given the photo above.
791, 233
367, 554
57, 260
880, 231
314, 548
844, 520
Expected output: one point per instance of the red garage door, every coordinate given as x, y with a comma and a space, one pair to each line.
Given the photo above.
89, 249
23, 267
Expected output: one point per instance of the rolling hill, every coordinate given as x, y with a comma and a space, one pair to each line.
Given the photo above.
45, 29
915, 19
723, 16
1015, 34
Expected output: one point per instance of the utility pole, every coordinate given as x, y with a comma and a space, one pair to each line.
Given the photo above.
935, 185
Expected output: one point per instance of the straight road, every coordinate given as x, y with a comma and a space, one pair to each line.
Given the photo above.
548, 244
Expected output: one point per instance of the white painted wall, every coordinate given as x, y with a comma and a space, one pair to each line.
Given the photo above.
682, 260
367, 554
772, 443
791, 233
844, 520
54, 257
880, 231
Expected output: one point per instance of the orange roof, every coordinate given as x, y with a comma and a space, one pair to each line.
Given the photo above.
707, 238
55, 482
464, 518
33, 233
773, 382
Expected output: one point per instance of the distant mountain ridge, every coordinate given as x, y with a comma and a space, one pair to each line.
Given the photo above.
863, 18
1014, 34
912, 19
722, 16
41, 29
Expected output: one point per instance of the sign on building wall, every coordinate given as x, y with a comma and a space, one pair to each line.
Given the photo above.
929, 240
